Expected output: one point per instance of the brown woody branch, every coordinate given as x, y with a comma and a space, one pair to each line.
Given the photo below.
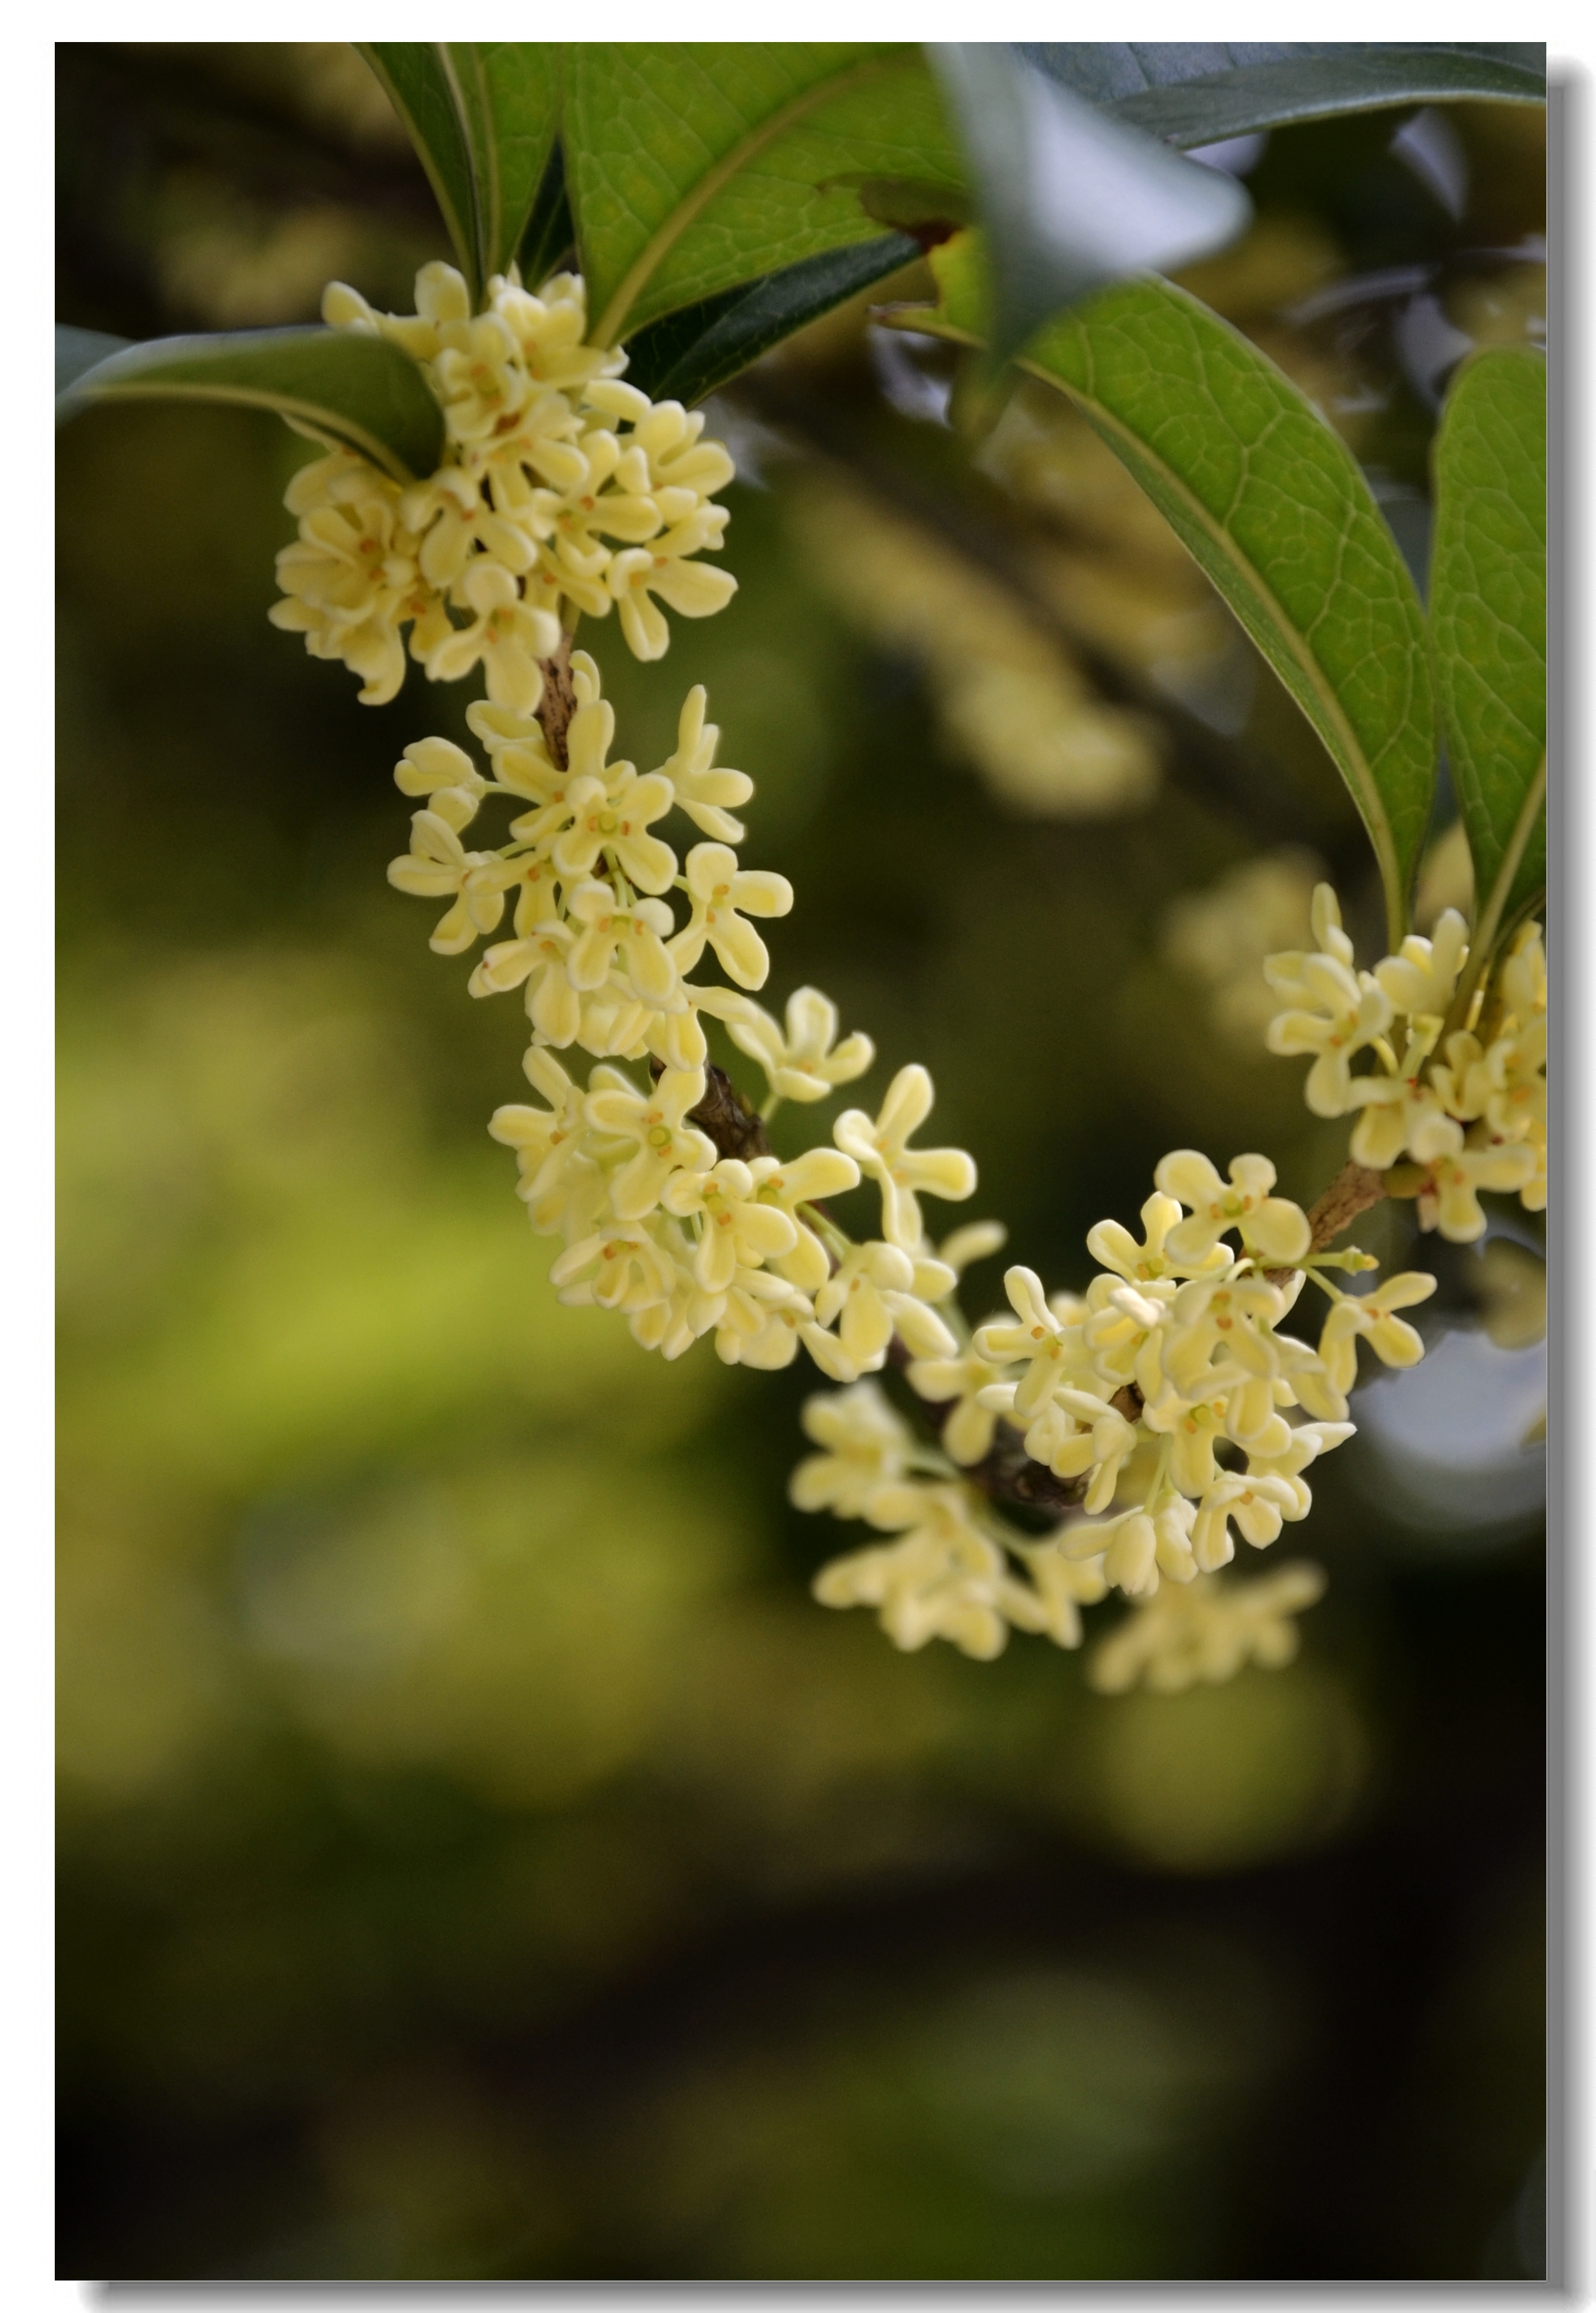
1006, 1473
736, 1128
558, 702
1354, 1189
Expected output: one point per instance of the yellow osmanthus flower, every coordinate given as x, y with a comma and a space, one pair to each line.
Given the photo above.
881, 1148
864, 1448
1207, 1631
563, 491
1470, 1114
658, 1223
804, 1061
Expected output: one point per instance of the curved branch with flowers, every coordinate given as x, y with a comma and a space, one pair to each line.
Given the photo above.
1170, 1401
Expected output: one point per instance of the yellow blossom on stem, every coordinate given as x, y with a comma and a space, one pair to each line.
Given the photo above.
864, 1446
738, 1229
723, 894
1053, 1345
656, 1127
958, 1382
806, 1062
880, 1147
506, 635
868, 1296
1420, 978
1207, 1631
1449, 1199
1272, 1227
943, 1580
704, 789
1368, 1317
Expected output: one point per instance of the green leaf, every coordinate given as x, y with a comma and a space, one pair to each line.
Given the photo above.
1071, 201
338, 384
688, 353
509, 95
77, 350
1487, 611
481, 114
1200, 92
932, 213
421, 91
697, 166
549, 243
1271, 504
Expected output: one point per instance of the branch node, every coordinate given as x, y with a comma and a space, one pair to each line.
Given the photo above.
732, 1123
558, 702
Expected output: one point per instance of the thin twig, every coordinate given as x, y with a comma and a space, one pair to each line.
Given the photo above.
558, 702
1354, 1189
1007, 1473
732, 1123
736, 1128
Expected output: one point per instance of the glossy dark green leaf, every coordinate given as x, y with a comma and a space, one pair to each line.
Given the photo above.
688, 353
1070, 199
1271, 504
77, 350
509, 97
1200, 92
695, 167
481, 115
1487, 611
421, 91
549, 243
339, 385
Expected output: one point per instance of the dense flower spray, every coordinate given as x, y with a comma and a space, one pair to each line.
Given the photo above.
563, 491
1169, 1407
1450, 1104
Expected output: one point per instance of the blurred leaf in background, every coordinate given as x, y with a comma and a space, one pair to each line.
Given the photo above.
479, 1858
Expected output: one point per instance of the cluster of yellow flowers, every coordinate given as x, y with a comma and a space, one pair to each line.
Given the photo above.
1163, 1391
1158, 1413
658, 1221
563, 491
1461, 1103
951, 1574
1161, 1396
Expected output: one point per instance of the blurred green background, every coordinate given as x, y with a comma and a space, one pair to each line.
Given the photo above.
478, 1856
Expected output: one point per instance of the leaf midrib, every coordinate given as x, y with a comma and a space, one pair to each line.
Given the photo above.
1487, 930
461, 230
1518, 843
757, 139
1356, 761
313, 413
482, 169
